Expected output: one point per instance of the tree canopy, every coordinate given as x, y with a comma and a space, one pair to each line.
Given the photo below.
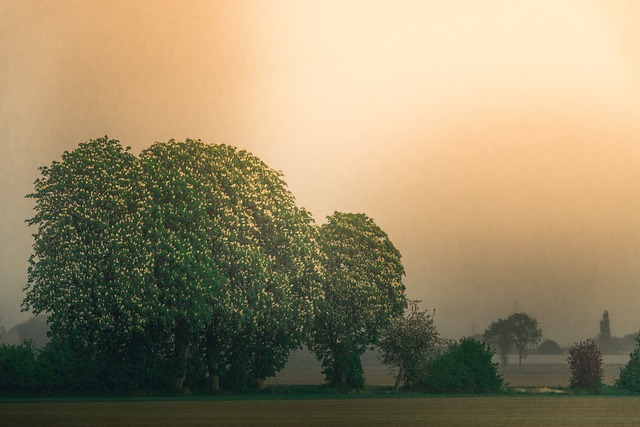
198, 247
519, 330
362, 283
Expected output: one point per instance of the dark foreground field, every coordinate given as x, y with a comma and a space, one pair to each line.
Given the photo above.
508, 410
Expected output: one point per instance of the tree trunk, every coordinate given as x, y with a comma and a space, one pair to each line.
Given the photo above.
215, 382
259, 383
182, 337
519, 359
396, 387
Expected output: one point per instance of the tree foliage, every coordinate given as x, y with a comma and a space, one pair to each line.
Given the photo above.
408, 343
499, 335
549, 347
525, 333
363, 290
518, 330
629, 378
189, 253
466, 367
585, 366
92, 255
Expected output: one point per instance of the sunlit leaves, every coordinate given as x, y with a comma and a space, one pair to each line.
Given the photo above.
362, 282
199, 242
91, 256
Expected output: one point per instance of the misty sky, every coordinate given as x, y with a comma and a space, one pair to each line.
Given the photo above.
496, 142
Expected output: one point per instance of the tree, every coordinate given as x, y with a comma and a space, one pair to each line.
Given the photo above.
519, 330
585, 366
549, 347
629, 378
91, 259
185, 276
466, 367
139, 262
525, 333
500, 335
408, 343
259, 247
604, 339
363, 290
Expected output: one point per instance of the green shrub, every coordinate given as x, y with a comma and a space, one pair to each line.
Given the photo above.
18, 368
466, 367
630, 375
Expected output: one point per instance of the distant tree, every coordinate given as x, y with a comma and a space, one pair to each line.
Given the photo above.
605, 328
525, 333
549, 347
585, 366
34, 329
605, 340
408, 343
500, 335
628, 342
519, 330
362, 284
466, 367
629, 378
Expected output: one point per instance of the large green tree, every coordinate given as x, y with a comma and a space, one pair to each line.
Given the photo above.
189, 252
185, 276
363, 291
259, 249
92, 256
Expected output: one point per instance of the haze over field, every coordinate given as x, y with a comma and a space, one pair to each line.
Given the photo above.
496, 142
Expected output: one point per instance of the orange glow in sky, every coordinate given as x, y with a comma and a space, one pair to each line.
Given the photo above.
497, 142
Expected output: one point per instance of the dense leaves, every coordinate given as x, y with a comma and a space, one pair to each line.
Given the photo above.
191, 253
362, 284
466, 367
630, 374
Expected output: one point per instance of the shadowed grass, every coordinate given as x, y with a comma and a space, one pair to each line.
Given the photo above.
527, 410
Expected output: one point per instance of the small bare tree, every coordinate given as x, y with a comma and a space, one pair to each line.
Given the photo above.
408, 343
585, 366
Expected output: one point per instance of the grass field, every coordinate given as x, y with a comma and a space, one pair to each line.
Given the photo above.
515, 410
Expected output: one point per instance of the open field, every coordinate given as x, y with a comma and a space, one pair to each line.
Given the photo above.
525, 410
536, 371
543, 375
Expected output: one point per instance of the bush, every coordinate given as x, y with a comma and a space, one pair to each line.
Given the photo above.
466, 367
549, 347
18, 368
630, 375
585, 366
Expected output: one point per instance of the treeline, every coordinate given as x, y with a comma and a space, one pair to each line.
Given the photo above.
34, 329
190, 266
